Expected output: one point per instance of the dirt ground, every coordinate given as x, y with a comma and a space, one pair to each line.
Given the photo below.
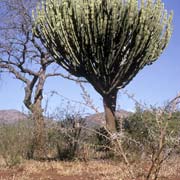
93, 170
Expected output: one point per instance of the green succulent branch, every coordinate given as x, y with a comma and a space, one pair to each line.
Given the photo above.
105, 41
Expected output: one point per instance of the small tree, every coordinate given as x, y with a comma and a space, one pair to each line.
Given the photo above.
105, 41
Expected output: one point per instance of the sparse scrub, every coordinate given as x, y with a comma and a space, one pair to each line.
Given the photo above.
153, 132
67, 136
14, 142
150, 131
149, 134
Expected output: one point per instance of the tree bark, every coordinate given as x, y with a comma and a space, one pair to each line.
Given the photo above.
109, 102
39, 131
38, 118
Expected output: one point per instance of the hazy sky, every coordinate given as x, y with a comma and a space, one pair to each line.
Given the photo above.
153, 85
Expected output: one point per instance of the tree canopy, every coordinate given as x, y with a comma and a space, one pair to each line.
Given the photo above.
105, 41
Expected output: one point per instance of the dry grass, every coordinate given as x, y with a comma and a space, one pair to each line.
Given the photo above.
171, 167
92, 170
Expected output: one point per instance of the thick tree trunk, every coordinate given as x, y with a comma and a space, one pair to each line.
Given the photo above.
39, 131
109, 102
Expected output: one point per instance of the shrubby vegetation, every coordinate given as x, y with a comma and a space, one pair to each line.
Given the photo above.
69, 138
15, 142
144, 129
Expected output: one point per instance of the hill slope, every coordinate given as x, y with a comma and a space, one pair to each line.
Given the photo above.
11, 116
99, 118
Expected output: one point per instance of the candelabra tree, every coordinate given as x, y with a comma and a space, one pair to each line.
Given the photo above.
105, 41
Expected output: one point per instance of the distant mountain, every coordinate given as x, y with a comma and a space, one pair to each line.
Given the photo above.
99, 118
11, 116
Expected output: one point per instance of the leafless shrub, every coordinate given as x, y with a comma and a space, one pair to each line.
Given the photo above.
161, 151
155, 136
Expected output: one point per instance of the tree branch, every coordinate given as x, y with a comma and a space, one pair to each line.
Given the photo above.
69, 77
14, 71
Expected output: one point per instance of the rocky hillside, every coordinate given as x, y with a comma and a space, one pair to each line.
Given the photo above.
99, 118
11, 116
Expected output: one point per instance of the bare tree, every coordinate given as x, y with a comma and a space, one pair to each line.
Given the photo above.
25, 57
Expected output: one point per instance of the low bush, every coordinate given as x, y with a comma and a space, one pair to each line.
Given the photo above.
15, 140
67, 136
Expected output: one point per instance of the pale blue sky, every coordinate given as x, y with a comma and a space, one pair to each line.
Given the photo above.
153, 85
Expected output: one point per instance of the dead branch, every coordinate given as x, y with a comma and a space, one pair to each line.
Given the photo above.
87, 98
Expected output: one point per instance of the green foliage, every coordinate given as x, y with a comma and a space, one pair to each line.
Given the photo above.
105, 41
136, 126
144, 128
174, 123
103, 140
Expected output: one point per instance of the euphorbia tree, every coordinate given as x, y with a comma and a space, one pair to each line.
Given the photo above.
105, 41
